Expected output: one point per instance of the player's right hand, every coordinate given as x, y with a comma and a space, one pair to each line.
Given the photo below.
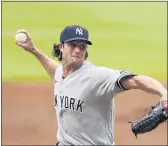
28, 45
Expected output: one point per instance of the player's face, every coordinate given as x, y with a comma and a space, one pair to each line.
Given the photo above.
74, 52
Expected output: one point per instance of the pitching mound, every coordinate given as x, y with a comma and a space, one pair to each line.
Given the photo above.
28, 116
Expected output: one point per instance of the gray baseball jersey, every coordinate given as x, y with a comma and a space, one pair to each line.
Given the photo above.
84, 104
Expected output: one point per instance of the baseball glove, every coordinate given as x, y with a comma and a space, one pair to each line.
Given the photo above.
157, 115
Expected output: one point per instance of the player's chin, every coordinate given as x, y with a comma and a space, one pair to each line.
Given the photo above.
77, 61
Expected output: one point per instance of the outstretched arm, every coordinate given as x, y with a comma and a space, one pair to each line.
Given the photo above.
146, 84
158, 113
49, 64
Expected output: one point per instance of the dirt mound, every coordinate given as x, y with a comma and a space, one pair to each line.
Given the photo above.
28, 116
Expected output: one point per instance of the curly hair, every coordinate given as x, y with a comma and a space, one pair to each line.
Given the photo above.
57, 53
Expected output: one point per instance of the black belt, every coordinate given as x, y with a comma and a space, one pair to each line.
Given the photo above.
57, 144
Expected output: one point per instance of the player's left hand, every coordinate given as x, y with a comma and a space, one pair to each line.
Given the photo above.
150, 121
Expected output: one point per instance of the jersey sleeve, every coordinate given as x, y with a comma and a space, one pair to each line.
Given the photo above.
124, 75
58, 73
109, 82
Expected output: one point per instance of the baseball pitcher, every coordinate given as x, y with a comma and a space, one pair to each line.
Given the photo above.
84, 93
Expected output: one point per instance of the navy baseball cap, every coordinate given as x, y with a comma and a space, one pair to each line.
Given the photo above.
74, 32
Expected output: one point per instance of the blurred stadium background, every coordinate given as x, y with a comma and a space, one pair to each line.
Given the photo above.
125, 35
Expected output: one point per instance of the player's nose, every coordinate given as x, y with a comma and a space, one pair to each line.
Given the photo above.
77, 49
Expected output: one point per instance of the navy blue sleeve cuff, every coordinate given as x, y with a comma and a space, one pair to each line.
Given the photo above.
124, 76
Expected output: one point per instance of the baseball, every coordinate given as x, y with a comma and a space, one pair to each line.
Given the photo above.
21, 37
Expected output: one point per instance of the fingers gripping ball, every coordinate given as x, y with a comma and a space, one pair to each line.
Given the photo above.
150, 121
21, 37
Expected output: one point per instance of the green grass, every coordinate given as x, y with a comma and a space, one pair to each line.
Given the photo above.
125, 35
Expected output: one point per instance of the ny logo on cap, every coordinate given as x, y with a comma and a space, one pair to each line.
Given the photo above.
79, 31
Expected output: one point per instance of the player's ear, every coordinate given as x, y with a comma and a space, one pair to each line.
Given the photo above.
61, 46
